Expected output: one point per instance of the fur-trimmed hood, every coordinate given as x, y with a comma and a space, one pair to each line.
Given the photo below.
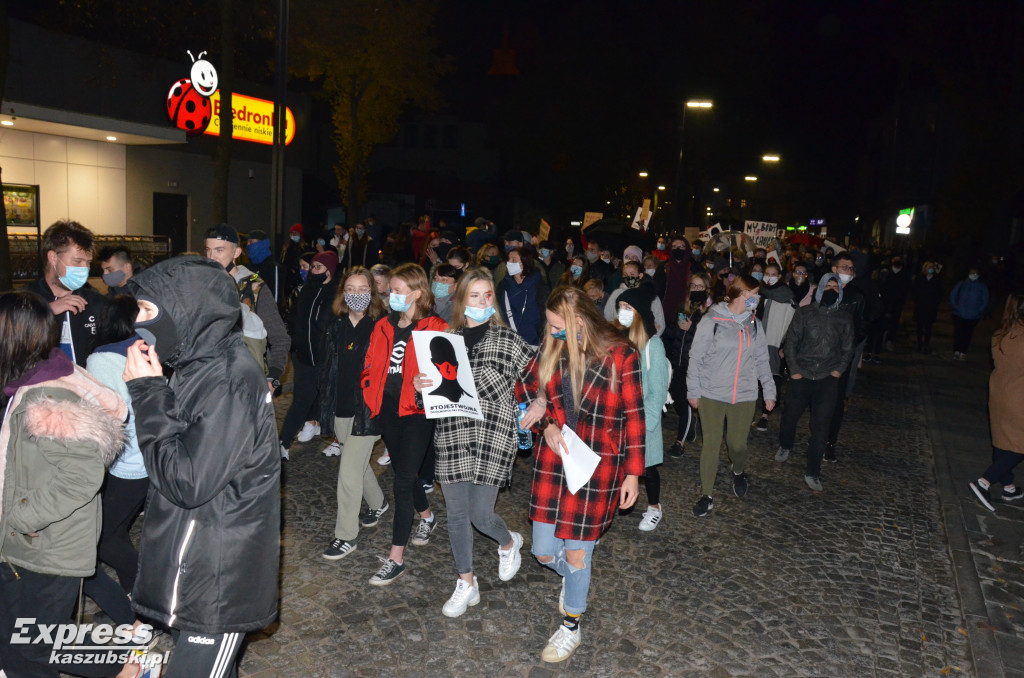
46, 417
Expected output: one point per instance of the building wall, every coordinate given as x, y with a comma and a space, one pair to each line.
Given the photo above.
78, 179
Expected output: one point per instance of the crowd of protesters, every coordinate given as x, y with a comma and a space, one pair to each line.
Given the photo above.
587, 340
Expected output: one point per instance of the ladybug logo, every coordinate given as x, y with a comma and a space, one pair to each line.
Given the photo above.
188, 101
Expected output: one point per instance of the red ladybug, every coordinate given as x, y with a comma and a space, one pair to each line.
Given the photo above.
189, 110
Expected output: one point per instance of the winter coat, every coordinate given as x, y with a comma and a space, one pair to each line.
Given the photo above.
969, 299
360, 253
854, 302
209, 555
728, 357
819, 341
927, 297
1006, 392
378, 358
58, 435
482, 451
610, 421
327, 377
654, 371
522, 304
83, 323
106, 365
309, 317
277, 334
679, 341
895, 290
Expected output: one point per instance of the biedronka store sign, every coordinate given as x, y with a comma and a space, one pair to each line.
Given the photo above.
252, 118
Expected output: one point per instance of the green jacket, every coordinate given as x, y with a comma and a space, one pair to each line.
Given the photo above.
58, 445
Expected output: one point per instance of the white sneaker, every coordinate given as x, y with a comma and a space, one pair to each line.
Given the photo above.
385, 458
561, 645
652, 516
509, 561
464, 596
309, 429
333, 450
284, 453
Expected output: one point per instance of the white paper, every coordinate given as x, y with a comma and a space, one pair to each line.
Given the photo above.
580, 463
454, 397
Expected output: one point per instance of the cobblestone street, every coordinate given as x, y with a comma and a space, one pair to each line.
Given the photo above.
856, 581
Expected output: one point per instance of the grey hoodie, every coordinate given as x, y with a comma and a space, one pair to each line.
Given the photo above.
729, 355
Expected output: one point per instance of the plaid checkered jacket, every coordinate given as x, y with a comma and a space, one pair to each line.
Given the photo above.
482, 451
612, 423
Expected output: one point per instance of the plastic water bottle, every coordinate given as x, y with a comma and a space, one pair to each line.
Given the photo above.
525, 436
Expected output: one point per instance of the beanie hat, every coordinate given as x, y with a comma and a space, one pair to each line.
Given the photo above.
296, 228
329, 260
641, 298
633, 252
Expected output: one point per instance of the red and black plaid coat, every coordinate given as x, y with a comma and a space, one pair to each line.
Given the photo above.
611, 422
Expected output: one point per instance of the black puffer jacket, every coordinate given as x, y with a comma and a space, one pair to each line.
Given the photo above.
208, 559
819, 340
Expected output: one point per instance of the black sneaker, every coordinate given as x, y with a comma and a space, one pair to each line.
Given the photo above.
370, 517
388, 572
830, 453
338, 549
762, 423
1014, 494
676, 450
739, 484
423, 530
703, 506
983, 495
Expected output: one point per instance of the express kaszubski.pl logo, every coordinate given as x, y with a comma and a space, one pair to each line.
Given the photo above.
89, 643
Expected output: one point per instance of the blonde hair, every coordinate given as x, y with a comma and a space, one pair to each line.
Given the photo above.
485, 253
415, 277
376, 308
637, 332
596, 335
466, 281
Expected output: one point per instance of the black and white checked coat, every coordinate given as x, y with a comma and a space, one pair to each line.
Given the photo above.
482, 451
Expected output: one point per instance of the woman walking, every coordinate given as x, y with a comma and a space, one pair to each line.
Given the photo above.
680, 334
1006, 393
728, 358
969, 301
589, 376
927, 292
389, 377
356, 309
474, 457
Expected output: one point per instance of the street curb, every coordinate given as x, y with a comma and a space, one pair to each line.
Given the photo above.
985, 653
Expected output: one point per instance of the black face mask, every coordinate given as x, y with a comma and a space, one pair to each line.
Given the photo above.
317, 279
698, 296
160, 332
829, 298
678, 254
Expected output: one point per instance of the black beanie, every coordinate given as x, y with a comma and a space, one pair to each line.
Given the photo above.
641, 298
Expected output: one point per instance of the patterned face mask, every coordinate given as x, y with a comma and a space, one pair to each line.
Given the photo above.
358, 302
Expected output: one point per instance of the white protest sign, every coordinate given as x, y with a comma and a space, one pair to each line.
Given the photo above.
442, 357
836, 249
761, 232
715, 229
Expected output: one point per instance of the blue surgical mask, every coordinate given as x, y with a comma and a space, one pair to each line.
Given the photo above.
577, 271
479, 315
258, 251
398, 302
757, 275
321, 242
696, 253
74, 277
544, 253
662, 246
560, 334
296, 237
751, 302
440, 289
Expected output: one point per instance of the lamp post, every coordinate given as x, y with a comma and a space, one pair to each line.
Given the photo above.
699, 105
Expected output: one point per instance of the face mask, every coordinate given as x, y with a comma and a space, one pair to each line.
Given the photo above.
819, 260
696, 254
321, 242
159, 332
479, 315
569, 248
591, 256
398, 302
757, 275
74, 277
544, 253
678, 254
358, 302
626, 316
799, 278
317, 279
771, 280
829, 298
296, 237
514, 268
661, 246
509, 248
577, 270
650, 272
560, 334
751, 302
844, 278
493, 261
440, 290
711, 265
360, 233
698, 296
258, 251
606, 260
631, 281
304, 274
931, 271
972, 277
113, 279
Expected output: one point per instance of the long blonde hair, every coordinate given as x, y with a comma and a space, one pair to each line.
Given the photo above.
597, 337
466, 281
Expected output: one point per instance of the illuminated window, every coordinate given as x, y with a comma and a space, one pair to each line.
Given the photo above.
743, 202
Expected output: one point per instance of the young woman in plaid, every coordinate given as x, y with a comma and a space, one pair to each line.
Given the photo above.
589, 376
474, 457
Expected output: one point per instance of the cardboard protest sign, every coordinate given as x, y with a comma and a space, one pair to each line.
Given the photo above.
761, 232
643, 217
589, 218
836, 249
544, 232
443, 358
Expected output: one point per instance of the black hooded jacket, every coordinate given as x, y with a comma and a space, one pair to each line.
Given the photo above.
208, 557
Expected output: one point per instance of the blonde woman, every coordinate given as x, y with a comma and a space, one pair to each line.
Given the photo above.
488, 257
474, 457
589, 376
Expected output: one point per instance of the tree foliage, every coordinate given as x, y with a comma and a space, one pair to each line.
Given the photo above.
374, 59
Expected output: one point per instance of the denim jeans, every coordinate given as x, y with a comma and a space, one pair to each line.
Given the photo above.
577, 580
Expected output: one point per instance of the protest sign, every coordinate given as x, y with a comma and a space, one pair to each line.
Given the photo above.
442, 357
761, 232
544, 232
589, 218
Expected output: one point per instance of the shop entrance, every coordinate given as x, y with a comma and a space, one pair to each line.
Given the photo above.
170, 218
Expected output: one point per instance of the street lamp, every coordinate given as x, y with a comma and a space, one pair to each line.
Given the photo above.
715, 189
661, 188
696, 104
643, 175
770, 158
750, 178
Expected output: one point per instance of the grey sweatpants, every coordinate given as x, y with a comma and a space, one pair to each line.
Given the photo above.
470, 506
356, 480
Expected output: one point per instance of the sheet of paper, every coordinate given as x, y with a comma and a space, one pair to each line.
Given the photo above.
580, 463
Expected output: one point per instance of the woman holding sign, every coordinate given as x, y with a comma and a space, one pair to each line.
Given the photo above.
389, 389
474, 456
589, 377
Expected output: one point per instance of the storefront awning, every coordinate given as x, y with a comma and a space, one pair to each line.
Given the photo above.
30, 118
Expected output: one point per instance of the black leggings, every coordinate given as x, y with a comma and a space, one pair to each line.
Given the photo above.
407, 440
123, 499
677, 389
963, 330
652, 483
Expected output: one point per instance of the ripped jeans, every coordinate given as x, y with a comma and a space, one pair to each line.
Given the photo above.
577, 581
